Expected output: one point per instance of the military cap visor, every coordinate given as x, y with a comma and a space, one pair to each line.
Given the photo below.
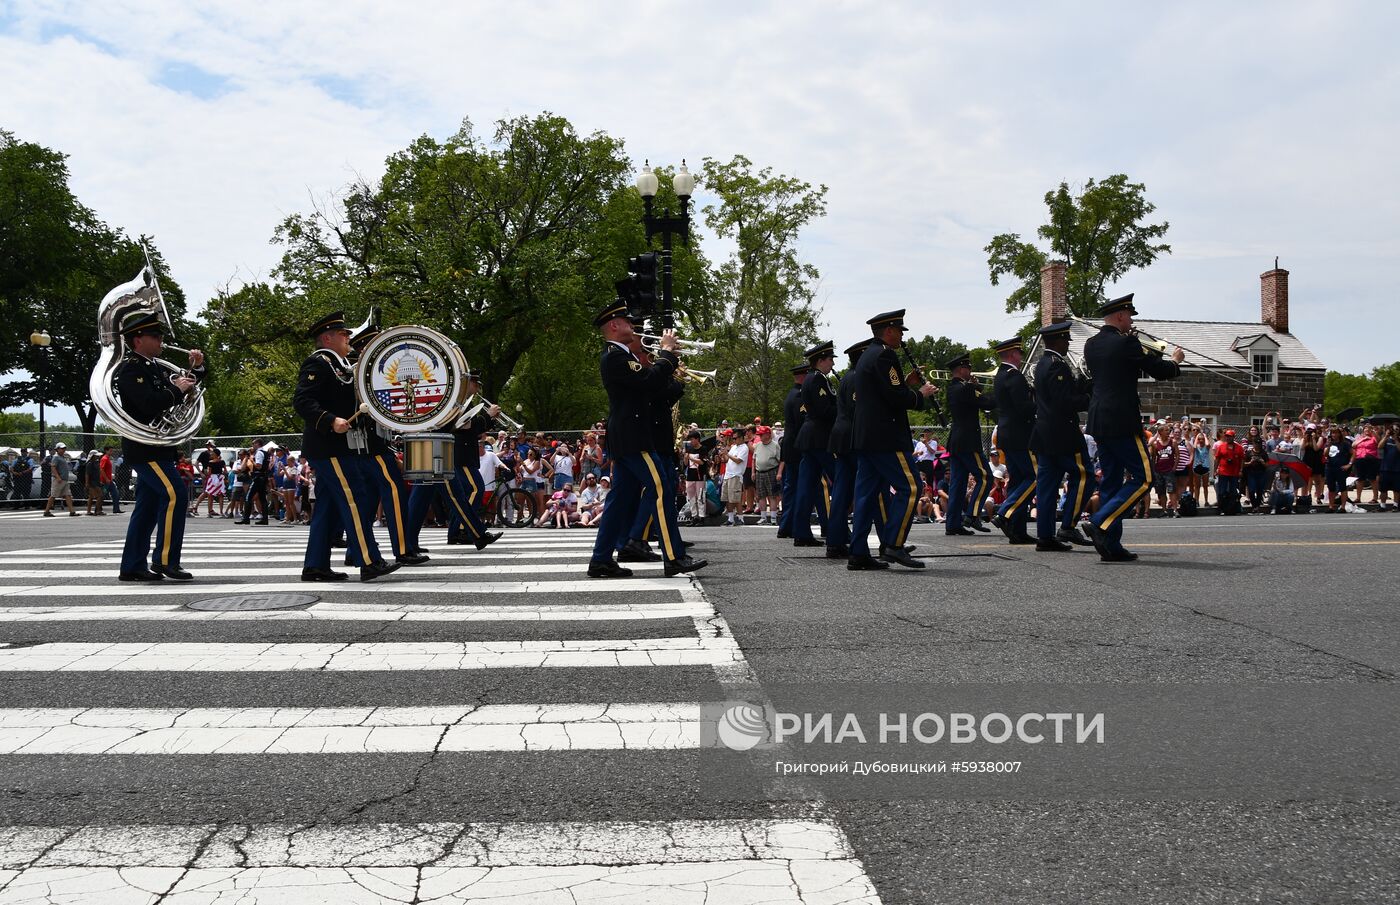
1006, 345
1060, 329
613, 309
333, 321
858, 348
820, 351
1123, 303
962, 361
801, 369
888, 319
142, 322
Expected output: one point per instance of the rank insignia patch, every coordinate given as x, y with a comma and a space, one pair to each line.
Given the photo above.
634, 365
894, 377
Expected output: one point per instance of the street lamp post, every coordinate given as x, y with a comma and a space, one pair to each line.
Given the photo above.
667, 225
40, 341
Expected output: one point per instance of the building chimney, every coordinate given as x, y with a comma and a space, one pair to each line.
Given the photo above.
1273, 297
1053, 304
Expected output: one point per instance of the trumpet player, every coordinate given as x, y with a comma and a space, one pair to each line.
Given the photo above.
147, 389
634, 546
819, 414
965, 455
464, 526
1061, 451
1117, 359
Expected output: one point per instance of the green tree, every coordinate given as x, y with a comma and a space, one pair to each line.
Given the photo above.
1101, 232
1374, 393
763, 316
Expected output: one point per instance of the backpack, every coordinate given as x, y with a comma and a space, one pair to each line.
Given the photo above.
1189, 507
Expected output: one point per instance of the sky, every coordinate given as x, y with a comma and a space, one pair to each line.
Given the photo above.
1259, 129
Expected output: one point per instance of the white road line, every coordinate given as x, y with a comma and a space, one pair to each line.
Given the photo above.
426, 571
366, 656
86, 557
621, 863
368, 612
357, 730
391, 585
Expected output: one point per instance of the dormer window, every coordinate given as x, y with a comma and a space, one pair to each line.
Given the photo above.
1264, 364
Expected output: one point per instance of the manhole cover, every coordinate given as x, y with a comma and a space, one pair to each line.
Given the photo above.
255, 602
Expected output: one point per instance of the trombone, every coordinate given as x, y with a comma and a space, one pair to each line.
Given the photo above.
1155, 345
477, 404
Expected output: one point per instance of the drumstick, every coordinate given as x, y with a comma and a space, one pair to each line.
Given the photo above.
364, 407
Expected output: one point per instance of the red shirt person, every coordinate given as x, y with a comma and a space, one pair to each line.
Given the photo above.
1229, 457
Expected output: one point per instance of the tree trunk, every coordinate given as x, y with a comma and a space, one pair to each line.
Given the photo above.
87, 417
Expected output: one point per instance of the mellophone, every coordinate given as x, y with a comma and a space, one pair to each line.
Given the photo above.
412, 381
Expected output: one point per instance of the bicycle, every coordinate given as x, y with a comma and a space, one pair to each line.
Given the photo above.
512, 508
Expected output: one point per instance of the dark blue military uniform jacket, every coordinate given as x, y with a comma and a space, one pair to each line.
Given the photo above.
1015, 409
631, 388
844, 425
882, 402
1117, 360
663, 428
819, 399
1059, 398
146, 391
321, 397
965, 400
794, 417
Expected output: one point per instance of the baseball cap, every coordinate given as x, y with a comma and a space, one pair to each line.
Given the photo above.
60, 445
1229, 433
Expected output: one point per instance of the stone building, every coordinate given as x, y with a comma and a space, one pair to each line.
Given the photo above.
1284, 374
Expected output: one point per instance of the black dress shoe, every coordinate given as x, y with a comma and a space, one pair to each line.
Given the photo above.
1021, 539
958, 532
262, 521
411, 559
784, 535
340, 542
377, 569
907, 548
807, 542
454, 540
637, 551
421, 550
173, 572
1073, 536
1118, 556
1004, 526
1095, 535
838, 552
489, 538
685, 564
897, 554
243, 521
608, 569
140, 576
866, 563
977, 525
1052, 546
322, 575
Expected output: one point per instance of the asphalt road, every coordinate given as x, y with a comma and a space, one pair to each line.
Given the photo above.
1303, 603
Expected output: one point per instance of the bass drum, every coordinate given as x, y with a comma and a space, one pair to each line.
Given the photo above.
413, 379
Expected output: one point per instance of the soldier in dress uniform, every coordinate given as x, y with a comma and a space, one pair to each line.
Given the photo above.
631, 385
1015, 404
883, 444
148, 389
325, 399
819, 414
384, 480
635, 547
1117, 359
1060, 395
464, 525
790, 460
966, 457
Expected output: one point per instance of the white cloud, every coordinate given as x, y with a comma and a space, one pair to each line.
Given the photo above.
1259, 129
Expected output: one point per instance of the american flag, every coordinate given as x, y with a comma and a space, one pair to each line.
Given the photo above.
427, 396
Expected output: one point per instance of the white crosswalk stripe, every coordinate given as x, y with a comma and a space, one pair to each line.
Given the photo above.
647, 626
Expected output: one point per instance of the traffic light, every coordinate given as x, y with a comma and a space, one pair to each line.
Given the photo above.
642, 269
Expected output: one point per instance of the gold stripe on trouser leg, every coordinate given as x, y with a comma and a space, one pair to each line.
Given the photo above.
980, 461
660, 508
1136, 495
354, 511
398, 510
903, 533
826, 496
1021, 500
169, 512
646, 532
880, 498
1083, 485
452, 495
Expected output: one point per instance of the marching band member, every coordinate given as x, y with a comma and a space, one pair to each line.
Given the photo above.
464, 525
789, 459
148, 389
1060, 395
630, 386
634, 546
1015, 404
965, 456
325, 399
819, 414
1117, 359
880, 436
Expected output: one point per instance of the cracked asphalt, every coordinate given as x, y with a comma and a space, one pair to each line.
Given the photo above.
1220, 602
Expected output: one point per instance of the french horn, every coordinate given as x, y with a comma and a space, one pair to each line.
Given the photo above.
176, 424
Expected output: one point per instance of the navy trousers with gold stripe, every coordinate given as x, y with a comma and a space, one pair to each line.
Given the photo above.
961, 467
875, 472
161, 502
1050, 471
644, 526
385, 484
634, 473
342, 500
1020, 492
1120, 457
464, 490
813, 489
843, 493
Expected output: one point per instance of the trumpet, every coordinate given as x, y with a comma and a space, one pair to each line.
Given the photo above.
477, 404
652, 342
696, 376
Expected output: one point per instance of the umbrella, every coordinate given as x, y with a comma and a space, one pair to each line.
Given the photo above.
1348, 413
1292, 460
1383, 419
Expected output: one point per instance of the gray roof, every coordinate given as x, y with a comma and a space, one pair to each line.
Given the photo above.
1214, 338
